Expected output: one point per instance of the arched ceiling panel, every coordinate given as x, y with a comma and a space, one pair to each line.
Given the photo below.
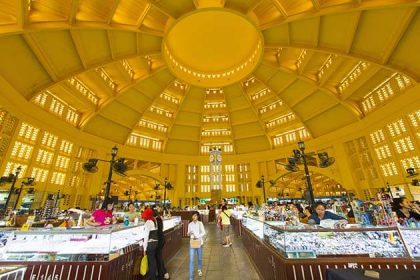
406, 56
377, 29
92, 45
114, 131
15, 51
248, 145
330, 120
102, 60
335, 30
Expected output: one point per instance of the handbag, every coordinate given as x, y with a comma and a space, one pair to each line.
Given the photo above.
195, 243
144, 265
219, 222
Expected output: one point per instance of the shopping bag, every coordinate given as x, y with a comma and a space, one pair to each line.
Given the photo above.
195, 243
144, 266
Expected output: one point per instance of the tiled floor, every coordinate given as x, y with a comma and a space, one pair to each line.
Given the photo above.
218, 262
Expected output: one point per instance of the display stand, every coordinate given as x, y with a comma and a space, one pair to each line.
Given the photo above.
120, 267
273, 264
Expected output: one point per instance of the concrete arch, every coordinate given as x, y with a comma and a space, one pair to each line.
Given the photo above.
145, 173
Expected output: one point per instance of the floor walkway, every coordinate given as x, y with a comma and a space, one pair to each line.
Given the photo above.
218, 262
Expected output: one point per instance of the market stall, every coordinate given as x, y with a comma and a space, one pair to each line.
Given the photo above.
299, 252
109, 252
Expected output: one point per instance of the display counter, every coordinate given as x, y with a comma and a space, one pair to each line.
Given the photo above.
108, 252
284, 252
9, 272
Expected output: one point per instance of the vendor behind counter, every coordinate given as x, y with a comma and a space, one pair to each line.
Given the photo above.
321, 214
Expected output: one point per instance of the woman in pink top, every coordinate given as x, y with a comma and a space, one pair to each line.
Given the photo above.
103, 216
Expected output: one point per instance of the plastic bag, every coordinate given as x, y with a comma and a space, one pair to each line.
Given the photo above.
144, 265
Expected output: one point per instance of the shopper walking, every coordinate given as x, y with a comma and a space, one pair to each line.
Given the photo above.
162, 272
196, 232
150, 242
225, 216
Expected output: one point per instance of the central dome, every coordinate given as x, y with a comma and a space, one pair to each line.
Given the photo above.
212, 47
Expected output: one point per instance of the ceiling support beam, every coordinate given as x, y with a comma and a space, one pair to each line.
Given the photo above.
280, 8
91, 67
73, 11
41, 56
111, 49
250, 9
77, 42
290, 109
333, 95
305, 62
113, 10
357, 3
359, 82
318, 32
398, 35
316, 4
160, 8
372, 61
143, 15
22, 13
353, 32
185, 93
253, 108
337, 60
90, 115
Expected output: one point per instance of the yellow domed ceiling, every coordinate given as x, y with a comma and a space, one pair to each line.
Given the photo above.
181, 76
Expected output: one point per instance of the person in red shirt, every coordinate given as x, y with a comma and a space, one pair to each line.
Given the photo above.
103, 216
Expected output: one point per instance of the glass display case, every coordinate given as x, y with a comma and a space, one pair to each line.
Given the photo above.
15, 272
411, 237
87, 244
305, 241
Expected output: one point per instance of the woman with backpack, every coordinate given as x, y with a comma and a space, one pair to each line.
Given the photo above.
196, 232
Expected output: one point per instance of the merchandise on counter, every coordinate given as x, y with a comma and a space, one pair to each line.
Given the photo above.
61, 244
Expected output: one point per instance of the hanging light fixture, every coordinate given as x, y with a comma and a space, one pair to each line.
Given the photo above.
325, 160
90, 166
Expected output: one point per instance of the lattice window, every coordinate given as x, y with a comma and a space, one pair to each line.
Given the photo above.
389, 169
21, 151
58, 178
377, 136
28, 132
396, 128
383, 152
404, 145
44, 157
49, 140
39, 174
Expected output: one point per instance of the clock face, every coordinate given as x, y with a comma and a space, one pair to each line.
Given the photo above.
219, 157
211, 158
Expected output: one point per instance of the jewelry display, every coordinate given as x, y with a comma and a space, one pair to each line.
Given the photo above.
411, 238
303, 241
381, 243
60, 244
